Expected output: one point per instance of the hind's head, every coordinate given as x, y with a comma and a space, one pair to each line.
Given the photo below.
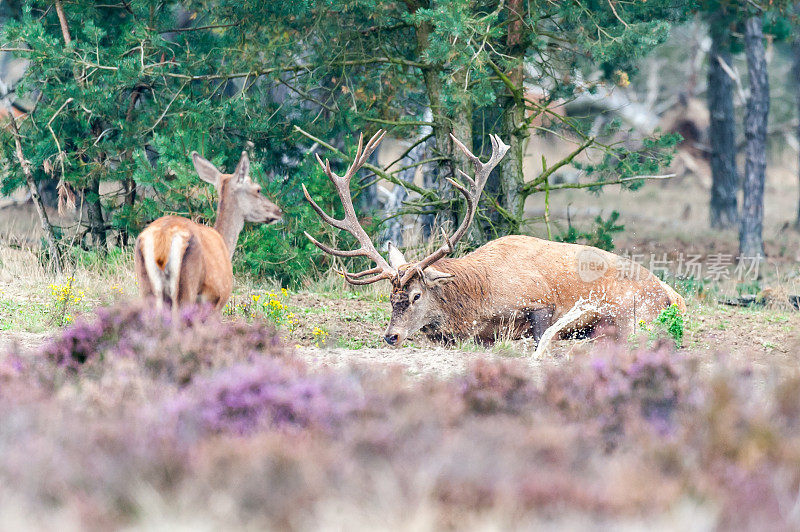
238, 190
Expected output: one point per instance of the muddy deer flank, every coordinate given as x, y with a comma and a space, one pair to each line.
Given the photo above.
517, 286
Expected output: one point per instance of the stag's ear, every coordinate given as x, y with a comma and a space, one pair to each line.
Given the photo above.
243, 168
205, 169
434, 277
396, 258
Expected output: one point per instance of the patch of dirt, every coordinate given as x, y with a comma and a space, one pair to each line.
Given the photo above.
21, 340
349, 321
439, 361
767, 340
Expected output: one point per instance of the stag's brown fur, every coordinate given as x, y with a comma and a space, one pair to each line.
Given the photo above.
496, 290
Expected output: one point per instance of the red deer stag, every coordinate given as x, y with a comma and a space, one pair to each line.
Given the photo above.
514, 285
181, 262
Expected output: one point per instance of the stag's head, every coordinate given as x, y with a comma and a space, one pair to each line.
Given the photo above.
238, 190
416, 301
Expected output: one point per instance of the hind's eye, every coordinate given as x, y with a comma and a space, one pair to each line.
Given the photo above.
416, 296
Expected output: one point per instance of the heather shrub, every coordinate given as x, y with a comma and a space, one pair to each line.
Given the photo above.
269, 393
199, 341
273, 480
61, 454
152, 424
490, 388
649, 384
11, 366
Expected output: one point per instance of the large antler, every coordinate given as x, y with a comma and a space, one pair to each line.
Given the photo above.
482, 171
350, 223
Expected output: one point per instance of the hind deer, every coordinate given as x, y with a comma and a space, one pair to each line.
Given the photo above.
513, 286
179, 262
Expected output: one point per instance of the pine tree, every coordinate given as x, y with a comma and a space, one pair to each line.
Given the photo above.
139, 85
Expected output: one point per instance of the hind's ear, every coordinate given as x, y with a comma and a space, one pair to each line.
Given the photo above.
243, 168
205, 169
434, 277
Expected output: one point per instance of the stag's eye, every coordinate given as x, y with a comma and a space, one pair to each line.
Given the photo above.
416, 296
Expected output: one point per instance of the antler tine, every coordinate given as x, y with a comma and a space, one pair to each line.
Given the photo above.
357, 162
350, 221
326, 167
327, 218
373, 143
466, 150
380, 277
466, 177
361, 274
499, 149
338, 252
482, 171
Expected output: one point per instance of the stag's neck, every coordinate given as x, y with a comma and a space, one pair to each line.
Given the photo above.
463, 301
229, 224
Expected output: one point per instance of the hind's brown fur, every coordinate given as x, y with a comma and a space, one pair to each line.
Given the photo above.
206, 274
191, 262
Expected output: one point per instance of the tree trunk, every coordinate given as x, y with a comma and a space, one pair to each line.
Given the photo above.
47, 228
796, 74
513, 130
722, 131
512, 177
445, 121
97, 225
751, 242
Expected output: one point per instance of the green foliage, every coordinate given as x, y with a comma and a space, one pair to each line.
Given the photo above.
601, 236
751, 288
695, 287
621, 162
28, 316
672, 320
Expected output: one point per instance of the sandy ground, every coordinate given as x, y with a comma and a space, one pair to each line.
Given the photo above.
437, 361
762, 340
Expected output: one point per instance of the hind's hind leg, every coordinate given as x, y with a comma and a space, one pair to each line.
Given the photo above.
145, 284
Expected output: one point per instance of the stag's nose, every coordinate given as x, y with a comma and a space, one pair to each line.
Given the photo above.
391, 339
